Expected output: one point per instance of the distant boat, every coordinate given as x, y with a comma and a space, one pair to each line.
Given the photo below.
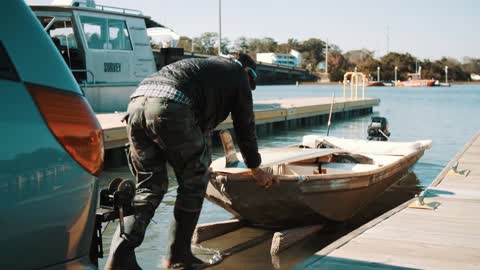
375, 83
416, 83
475, 77
326, 178
415, 80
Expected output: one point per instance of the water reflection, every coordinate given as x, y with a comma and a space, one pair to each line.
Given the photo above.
413, 114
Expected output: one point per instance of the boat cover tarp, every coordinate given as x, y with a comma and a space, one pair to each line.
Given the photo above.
275, 156
367, 147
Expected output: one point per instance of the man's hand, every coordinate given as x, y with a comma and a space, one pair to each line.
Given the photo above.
263, 177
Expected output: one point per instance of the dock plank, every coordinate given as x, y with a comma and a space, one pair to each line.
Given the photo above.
266, 111
411, 238
410, 254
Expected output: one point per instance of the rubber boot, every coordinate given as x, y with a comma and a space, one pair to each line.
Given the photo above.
179, 254
122, 249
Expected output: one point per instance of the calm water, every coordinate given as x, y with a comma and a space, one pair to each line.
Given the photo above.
448, 116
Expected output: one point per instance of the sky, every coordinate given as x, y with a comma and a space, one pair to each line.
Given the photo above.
425, 28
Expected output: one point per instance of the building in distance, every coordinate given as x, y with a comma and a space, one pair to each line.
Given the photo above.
292, 59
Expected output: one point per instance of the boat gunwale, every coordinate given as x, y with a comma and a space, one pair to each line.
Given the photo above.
336, 182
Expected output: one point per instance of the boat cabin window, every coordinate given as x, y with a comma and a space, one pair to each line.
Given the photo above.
95, 31
62, 35
107, 34
118, 35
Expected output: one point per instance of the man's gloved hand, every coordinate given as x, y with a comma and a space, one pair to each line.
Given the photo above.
264, 177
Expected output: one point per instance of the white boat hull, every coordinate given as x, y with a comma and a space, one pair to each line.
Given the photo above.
107, 99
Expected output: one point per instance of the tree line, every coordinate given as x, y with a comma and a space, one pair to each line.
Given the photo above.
313, 54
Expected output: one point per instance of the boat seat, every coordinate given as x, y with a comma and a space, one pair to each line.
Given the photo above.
349, 167
311, 169
367, 147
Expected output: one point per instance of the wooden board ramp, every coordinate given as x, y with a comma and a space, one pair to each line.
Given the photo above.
280, 240
443, 237
266, 112
208, 231
287, 238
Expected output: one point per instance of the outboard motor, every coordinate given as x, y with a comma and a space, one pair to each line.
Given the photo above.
378, 129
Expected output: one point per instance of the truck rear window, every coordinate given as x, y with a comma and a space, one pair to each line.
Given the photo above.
7, 70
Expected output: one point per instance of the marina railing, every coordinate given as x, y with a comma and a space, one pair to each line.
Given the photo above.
118, 9
354, 83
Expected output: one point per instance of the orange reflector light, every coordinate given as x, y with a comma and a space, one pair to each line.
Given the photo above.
72, 121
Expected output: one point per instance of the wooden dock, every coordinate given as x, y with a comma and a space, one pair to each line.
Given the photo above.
413, 236
281, 111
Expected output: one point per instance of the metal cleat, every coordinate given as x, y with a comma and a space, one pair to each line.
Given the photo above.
421, 203
454, 171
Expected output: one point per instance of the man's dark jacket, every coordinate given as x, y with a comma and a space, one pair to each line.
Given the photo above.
216, 86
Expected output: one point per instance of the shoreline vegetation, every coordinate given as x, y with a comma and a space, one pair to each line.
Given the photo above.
313, 58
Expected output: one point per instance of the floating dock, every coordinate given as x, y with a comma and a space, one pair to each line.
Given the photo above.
288, 113
440, 229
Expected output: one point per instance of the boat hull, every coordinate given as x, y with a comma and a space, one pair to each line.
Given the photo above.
295, 202
109, 98
375, 83
416, 83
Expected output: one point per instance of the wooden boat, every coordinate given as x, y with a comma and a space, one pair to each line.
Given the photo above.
415, 80
325, 178
416, 83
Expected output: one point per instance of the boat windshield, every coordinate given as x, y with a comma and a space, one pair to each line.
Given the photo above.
106, 33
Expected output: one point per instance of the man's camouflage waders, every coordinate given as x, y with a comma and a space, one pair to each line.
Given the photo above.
160, 131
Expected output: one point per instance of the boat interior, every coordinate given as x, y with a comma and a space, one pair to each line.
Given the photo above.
358, 156
318, 155
343, 163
